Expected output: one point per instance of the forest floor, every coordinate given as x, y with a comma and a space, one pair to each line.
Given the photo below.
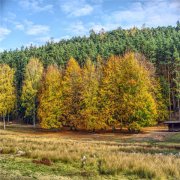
28, 153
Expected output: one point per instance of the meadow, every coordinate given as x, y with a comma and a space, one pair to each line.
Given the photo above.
26, 153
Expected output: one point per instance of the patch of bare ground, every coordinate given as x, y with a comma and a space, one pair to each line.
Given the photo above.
156, 133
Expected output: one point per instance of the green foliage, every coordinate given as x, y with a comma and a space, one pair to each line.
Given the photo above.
160, 45
31, 84
134, 127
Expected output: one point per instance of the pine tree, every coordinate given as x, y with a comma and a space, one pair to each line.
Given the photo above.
7, 91
50, 99
31, 85
177, 77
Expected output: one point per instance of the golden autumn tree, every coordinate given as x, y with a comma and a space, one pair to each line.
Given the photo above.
155, 88
89, 112
109, 93
103, 111
139, 104
128, 88
31, 85
72, 88
50, 99
7, 91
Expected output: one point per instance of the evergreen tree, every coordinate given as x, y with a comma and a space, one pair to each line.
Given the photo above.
177, 77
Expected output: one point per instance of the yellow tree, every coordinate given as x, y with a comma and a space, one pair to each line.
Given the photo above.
103, 111
89, 112
50, 99
7, 91
109, 92
72, 87
31, 85
139, 106
128, 88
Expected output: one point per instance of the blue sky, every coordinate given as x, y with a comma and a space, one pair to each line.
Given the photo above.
25, 22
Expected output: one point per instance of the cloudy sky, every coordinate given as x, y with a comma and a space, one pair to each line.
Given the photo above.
25, 22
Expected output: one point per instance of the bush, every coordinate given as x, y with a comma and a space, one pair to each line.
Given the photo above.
134, 127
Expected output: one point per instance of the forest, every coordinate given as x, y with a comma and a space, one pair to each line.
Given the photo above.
121, 78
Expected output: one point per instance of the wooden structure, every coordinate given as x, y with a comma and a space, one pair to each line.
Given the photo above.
173, 126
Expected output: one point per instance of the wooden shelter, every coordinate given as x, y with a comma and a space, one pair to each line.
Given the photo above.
173, 126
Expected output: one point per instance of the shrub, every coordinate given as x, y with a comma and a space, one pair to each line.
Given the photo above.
134, 127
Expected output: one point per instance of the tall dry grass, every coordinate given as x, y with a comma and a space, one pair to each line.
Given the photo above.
105, 158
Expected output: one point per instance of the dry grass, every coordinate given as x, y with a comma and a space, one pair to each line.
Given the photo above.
143, 160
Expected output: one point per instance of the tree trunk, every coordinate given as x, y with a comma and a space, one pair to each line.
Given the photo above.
173, 100
113, 129
179, 108
169, 94
4, 121
34, 118
8, 118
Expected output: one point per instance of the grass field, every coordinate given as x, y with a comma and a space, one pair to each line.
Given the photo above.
26, 153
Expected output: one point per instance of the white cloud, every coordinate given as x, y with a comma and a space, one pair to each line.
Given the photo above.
43, 39
1, 49
35, 29
152, 13
176, 4
4, 32
77, 28
11, 19
36, 5
19, 26
77, 8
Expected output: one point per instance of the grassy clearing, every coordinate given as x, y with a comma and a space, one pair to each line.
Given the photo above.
173, 139
104, 160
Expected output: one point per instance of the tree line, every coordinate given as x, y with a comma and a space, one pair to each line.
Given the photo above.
161, 46
120, 92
